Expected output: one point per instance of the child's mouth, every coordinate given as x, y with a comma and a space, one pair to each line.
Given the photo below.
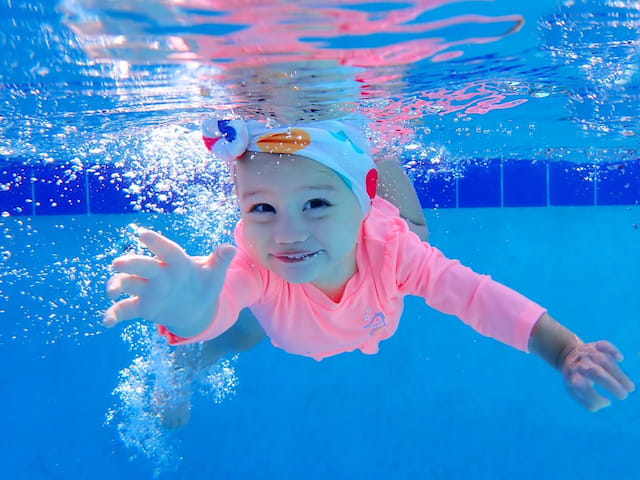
298, 257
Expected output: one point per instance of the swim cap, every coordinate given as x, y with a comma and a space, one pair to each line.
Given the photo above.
337, 144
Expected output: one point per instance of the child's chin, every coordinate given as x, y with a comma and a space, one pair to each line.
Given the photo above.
295, 273
293, 276
297, 278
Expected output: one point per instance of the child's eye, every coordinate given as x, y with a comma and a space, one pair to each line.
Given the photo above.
262, 208
316, 203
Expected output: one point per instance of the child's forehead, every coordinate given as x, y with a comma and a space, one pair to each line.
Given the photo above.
253, 164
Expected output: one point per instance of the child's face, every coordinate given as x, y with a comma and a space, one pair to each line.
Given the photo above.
301, 220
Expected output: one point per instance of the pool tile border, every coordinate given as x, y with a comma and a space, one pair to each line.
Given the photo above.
480, 185
102, 189
59, 188
524, 183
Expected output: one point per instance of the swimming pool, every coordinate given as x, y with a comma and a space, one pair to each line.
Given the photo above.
536, 182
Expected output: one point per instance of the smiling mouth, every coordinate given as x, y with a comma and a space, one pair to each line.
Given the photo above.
298, 257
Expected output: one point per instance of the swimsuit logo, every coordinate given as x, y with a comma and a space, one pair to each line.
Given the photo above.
375, 322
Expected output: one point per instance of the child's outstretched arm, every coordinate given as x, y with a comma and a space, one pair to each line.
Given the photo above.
173, 289
583, 365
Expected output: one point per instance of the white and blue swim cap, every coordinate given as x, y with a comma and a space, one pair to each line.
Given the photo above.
337, 144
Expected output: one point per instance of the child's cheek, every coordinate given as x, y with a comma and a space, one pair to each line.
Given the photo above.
251, 238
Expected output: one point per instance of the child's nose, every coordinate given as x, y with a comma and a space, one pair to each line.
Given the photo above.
291, 230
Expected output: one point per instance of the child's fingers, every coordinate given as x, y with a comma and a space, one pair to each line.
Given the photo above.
582, 390
166, 250
221, 257
608, 348
626, 382
593, 401
609, 361
623, 383
123, 283
142, 266
114, 285
126, 309
603, 377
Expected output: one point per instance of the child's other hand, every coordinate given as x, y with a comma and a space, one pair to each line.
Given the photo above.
595, 363
173, 289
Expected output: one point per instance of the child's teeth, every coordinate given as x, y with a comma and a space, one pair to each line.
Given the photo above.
304, 256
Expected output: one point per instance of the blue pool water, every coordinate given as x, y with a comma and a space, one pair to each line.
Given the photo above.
438, 401
517, 123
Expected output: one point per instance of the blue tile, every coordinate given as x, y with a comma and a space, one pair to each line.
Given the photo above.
111, 192
437, 190
15, 191
524, 183
479, 185
151, 200
571, 183
107, 193
619, 183
60, 190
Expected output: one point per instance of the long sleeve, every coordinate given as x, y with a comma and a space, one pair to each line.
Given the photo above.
489, 307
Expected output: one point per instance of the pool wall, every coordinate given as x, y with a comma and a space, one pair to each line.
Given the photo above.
59, 189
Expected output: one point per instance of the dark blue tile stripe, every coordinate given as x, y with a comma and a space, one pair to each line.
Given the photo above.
59, 189
619, 183
572, 184
16, 191
108, 190
102, 189
524, 183
437, 189
480, 185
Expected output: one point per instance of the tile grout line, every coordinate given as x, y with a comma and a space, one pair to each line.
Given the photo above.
86, 189
457, 191
595, 185
33, 191
501, 183
547, 186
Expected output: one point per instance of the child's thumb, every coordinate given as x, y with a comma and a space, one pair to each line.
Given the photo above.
222, 256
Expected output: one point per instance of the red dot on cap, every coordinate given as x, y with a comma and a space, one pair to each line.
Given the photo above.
209, 142
372, 182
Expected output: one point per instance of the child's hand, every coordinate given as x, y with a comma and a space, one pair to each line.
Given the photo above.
174, 289
595, 363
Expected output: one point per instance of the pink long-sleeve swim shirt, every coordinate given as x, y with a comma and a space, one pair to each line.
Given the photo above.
392, 262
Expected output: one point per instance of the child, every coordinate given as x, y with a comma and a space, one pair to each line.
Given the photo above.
323, 264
